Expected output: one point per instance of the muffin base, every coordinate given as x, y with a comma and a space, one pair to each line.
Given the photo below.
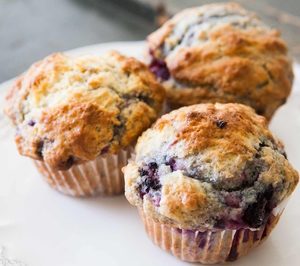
208, 247
102, 176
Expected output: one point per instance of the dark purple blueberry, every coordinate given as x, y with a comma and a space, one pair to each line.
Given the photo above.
148, 184
70, 162
153, 166
149, 169
172, 164
104, 150
256, 213
65, 165
31, 123
39, 148
268, 193
221, 124
150, 180
159, 69
179, 230
143, 172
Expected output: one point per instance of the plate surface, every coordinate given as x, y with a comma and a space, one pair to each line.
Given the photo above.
41, 227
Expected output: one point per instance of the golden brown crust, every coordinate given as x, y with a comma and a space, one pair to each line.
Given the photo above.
69, 110
201, 161
234, 58
199, 128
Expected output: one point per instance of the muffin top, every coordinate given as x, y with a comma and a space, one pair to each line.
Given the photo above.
221, 53
209, 166
72, 109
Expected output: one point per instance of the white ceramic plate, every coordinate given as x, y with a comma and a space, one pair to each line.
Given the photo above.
41, 227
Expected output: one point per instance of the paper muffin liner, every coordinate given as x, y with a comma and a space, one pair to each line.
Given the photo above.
102, 176
207, 247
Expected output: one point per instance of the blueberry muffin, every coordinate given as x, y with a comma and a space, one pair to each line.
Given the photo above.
78, 118
221, 53
210, 181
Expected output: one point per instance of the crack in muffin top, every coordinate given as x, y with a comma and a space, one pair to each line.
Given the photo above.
208, 54
193, 25
206, 166
72, 109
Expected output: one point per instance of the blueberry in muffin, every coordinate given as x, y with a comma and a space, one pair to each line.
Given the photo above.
211, 179
221, 53
78, 117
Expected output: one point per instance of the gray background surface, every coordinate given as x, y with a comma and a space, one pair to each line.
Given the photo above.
31, 29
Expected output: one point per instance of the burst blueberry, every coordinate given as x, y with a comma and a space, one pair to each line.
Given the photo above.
150, 180
256, 213
31, 123
221, 124
159, 69
172, 164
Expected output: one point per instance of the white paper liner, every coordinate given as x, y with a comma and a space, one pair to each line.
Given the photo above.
102, 176
280, 208
208, 247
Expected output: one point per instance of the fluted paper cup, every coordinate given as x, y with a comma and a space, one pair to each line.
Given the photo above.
207, 247
102, 176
